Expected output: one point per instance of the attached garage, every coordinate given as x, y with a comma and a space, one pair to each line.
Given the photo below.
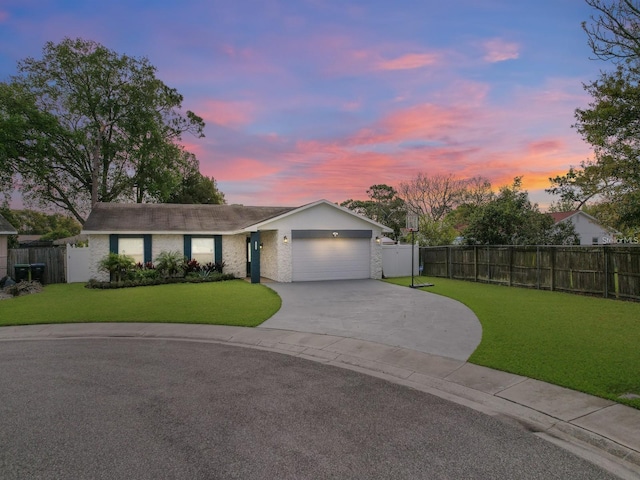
331, 258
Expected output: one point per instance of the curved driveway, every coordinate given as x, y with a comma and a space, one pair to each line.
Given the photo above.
378, 312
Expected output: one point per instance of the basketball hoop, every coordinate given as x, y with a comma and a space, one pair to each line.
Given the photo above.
412, 222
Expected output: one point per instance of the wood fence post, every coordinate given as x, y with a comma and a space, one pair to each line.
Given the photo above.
538, 266
510, 256
605, 269
553, 265
475, 263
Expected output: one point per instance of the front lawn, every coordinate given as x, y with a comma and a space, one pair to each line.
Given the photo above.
583, 343
234, 302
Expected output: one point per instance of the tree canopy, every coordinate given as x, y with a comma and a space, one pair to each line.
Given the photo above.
85, 125
511, 219
383, 206
611, 122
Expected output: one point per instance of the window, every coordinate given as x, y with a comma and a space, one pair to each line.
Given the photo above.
594, 241
132, 247
202, 249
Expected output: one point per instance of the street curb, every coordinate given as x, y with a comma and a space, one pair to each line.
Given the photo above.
365, 357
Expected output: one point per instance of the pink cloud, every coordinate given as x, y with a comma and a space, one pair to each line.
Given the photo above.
408, 61
236, 169
498, 50
4, 16
227, 113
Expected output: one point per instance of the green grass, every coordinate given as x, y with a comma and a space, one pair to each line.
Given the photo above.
234, 302
583, 343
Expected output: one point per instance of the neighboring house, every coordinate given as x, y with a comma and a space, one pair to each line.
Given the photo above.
6, 229
318, 241
587, 227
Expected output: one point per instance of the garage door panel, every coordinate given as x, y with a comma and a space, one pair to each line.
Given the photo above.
331, 259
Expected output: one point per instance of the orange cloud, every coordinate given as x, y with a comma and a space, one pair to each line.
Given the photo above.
408, 61
498, 50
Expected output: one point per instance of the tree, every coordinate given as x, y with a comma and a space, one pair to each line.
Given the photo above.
49, 226
611, 123
84, 124
613, 33
197, 189
511, 219
384, 206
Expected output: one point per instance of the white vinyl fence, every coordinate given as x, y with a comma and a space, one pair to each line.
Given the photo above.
77, 264
396, 260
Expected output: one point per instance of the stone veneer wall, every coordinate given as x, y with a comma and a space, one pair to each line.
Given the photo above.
98, 249
376, 256
268, 255
234, 254
166, 243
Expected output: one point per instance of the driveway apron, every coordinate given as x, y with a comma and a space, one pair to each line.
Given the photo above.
378, 312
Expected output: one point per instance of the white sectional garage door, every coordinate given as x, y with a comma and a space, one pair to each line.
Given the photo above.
331, 259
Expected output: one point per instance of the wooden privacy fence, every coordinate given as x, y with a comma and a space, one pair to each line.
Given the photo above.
52, 257
608, 271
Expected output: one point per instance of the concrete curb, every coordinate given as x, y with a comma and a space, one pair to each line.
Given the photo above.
600, 430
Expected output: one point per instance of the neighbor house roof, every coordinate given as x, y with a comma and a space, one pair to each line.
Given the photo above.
6, 228
168, 217
560, 216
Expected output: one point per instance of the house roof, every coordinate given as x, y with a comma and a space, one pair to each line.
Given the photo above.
6, 228
168, 217
138, 218
560, 216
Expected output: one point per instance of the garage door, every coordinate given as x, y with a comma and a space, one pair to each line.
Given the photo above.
331, 259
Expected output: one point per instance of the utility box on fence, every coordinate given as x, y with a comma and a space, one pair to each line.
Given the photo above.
37, 272
22, 272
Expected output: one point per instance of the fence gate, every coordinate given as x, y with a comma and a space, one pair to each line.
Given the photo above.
77, 264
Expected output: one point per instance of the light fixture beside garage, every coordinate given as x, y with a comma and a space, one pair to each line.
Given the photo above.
335, 234
377, 239
285, 239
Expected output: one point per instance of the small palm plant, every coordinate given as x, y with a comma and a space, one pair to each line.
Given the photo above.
117, 265
170, 264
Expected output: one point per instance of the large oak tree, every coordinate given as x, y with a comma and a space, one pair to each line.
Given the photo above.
84, 124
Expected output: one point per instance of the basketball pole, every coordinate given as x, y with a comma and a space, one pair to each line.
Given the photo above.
413, 252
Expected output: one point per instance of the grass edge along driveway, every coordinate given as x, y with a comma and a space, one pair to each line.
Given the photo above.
233, 302
583, 343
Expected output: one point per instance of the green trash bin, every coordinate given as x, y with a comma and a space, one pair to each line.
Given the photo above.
37, 272
22, 272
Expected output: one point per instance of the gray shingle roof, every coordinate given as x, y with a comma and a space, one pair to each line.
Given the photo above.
167, 217
6, 228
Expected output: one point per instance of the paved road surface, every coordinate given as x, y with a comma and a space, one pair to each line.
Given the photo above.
154, 409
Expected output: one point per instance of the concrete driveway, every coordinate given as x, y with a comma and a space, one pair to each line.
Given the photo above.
379, 312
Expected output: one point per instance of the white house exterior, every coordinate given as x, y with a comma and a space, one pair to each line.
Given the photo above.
6, 229
587, 227
318, 241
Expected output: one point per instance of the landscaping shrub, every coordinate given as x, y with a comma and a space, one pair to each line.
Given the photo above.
143, 282
118, 266
170, 264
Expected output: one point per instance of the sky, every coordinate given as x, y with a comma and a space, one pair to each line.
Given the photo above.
321, 99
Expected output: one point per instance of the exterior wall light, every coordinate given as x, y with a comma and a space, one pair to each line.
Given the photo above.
377, 239
285, 239
335, 234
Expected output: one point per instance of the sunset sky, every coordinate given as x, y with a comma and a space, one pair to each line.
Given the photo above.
311, 99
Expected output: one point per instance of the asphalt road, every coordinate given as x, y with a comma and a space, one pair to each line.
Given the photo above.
155, 409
